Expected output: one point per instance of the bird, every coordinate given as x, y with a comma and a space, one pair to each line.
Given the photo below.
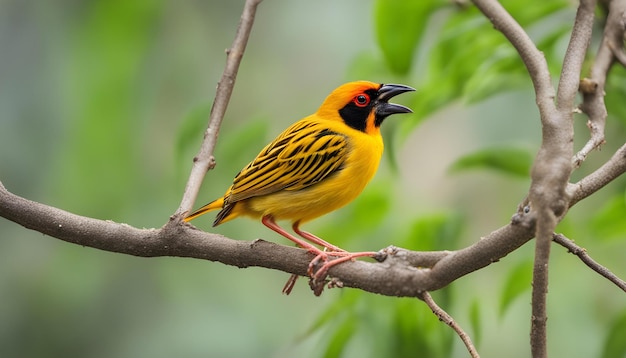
315, 166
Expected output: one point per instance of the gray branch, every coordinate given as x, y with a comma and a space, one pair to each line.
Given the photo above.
552, 166
403, 273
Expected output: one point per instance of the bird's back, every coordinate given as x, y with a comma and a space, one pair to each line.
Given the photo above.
314, 167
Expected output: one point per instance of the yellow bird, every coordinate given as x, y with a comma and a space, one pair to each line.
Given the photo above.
315, 166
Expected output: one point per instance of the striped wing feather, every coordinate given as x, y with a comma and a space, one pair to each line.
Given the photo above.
301, 156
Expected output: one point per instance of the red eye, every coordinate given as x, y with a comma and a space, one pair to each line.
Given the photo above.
361, 100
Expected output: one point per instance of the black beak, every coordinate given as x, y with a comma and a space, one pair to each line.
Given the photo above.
385, 93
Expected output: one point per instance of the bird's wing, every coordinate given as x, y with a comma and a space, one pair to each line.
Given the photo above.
304, 154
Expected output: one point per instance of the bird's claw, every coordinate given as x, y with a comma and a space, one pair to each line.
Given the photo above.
322, 262
289, 284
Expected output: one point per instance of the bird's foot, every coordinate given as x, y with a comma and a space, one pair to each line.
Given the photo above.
322, 272
318, 276
323, 261
320, 255
324, 256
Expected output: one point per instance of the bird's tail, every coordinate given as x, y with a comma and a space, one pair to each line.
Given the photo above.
214, 205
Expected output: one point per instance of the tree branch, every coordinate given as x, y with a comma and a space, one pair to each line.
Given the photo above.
591, 263
575, 56
404, 273
394, 277
593, 182
204, 160
552, 169
447, 319
552, 166
533, 59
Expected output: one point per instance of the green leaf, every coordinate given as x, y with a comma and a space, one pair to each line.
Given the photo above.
390, 133
501, 71
550, 45
360, 218
434, 232
474, 317
369, 64
615, 344
529, 12
417, 329
608, 223
348, 299
190, 133
236, 145
400, 25
469, 59
615, 93
509, 160
465, 41
240, 144
517, 282
371, 206
106, 61
341, 320
340, 338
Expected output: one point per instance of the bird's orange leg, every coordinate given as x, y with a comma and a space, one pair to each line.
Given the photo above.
315, 239
269, 221
334, 251
322, 255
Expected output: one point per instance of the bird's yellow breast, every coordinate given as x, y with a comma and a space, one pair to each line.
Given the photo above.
362, 157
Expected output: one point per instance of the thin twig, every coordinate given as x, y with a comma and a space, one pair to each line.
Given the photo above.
447, 319
575, 56
620, 55
591, 263
204, 160
609, 171
592, 88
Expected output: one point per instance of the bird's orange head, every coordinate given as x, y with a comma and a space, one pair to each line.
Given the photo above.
363, 105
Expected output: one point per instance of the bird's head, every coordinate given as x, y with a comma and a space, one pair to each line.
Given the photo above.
363, 105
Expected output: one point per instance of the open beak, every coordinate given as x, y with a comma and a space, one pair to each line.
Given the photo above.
385, 93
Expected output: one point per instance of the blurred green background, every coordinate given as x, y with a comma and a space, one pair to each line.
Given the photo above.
102, 108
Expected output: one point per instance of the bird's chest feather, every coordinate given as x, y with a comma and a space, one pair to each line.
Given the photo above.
361, 164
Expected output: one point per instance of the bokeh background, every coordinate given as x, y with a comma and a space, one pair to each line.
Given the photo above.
102, 108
